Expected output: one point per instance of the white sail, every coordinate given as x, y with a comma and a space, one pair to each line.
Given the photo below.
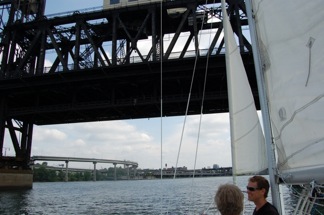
248, 148
291, 40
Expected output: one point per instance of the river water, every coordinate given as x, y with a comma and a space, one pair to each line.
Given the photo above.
168, 196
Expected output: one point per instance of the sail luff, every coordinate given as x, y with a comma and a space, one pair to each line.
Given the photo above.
229, 89
247, 141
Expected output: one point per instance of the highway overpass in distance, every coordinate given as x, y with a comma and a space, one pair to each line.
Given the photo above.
126, 163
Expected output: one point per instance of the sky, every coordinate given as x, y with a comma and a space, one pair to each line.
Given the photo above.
149, 142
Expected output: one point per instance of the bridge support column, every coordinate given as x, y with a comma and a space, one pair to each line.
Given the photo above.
127, 166
135, 172
94, 171
115, 173
66, 171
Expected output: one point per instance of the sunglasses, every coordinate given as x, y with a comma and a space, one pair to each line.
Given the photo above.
253, 188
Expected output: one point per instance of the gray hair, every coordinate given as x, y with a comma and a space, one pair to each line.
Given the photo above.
229, 199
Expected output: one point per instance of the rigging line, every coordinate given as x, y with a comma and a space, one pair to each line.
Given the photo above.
161, 108
187, 107
202, 105
209, 207
203, 97
161, 86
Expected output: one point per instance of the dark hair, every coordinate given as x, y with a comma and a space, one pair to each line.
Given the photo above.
262, 183
229, 199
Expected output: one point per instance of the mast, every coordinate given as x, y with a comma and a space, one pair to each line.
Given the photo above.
275, 191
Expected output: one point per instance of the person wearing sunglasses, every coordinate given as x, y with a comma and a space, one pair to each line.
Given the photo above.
229, 199
257, 189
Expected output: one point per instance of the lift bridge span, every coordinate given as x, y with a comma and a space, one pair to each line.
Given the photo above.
109, 65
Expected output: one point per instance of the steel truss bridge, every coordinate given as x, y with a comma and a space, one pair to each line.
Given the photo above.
109, 65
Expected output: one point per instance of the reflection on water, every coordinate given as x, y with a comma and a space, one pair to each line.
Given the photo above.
14, 199
178, 196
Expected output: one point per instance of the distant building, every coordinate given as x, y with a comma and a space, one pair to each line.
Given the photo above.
215, 166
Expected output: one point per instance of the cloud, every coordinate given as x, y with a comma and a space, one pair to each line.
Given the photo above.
140, 141
212, 143
43, 134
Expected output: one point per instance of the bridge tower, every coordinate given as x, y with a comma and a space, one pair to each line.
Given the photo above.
15, 171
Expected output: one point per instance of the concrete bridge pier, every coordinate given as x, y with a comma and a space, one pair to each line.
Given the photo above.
115, 173
127, 166
94, 171
66, 171
135, 172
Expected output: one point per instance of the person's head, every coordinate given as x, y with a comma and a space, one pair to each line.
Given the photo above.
229, 199
258, 188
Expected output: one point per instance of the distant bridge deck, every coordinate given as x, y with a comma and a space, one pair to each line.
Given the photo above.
76, 159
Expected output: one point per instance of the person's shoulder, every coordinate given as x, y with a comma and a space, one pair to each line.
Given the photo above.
271, 209
267, 209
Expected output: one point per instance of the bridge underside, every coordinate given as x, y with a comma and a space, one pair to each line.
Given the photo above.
121, 92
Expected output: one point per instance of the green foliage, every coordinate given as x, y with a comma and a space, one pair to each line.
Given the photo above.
43, 173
